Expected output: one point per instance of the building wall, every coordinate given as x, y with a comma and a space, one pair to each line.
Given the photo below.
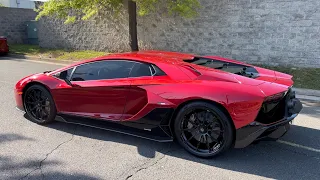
13, 23
27, 4
103, 35
6, 3
256, 31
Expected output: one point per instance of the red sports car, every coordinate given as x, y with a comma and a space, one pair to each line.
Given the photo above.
208, 104
4, 48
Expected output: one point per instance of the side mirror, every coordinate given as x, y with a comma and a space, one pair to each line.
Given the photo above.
64, 75
68, 82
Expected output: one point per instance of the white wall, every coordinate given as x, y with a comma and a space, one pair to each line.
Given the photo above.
18, 3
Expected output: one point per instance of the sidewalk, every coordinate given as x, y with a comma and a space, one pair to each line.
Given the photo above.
307, 92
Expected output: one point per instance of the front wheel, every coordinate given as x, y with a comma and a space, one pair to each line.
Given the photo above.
203, 129
39, 105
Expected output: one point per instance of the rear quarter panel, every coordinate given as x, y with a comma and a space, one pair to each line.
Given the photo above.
274, 76
241, 102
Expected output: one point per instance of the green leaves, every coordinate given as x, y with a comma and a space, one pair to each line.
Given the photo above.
1, 5
70, 19
69, 10
184, 8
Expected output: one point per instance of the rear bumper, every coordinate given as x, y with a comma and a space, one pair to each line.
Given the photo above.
248, 134
257, 131
4, 51
4, 48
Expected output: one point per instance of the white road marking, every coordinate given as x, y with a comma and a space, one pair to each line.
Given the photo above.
299, 146
314, 98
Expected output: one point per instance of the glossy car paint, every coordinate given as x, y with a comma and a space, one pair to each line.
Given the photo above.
4, 48
100, 99
130, 99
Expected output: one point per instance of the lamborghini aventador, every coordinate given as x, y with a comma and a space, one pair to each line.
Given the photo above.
208, 104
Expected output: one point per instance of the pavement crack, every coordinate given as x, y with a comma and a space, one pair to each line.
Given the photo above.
46, 157
29, 173
147, 164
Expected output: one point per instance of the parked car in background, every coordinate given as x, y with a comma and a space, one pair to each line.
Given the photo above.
208, 104
4, 48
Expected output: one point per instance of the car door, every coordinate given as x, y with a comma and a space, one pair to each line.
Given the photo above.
142, 75
99, 90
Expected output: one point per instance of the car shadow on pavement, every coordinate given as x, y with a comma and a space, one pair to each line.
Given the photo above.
267, 159
12, 167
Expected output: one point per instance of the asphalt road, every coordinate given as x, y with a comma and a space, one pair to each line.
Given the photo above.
65, 151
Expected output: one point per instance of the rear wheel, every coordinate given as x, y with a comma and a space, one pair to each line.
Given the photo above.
39, 105
203, 129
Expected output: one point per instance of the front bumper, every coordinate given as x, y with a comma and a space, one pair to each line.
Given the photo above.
20, 109
257, 130
18, 98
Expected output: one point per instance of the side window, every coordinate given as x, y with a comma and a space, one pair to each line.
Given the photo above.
157, 71
143, 69
140, 69
102, 70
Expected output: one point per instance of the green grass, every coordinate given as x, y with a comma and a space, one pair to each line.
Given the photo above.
308, 78
60, 54
81, 55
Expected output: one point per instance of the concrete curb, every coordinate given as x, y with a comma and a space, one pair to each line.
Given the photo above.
39, 58
309, 98
307, 92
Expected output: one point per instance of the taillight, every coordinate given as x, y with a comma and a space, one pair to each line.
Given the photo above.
275, 97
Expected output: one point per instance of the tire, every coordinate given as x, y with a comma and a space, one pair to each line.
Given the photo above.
40, 111
205, 123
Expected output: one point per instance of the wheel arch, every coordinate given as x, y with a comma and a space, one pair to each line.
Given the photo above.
31, 83
207, 101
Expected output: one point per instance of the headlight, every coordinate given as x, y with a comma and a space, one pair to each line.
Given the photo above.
275, 97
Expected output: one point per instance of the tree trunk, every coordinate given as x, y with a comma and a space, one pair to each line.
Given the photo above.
133, 33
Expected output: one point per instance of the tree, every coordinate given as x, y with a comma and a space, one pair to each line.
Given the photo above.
70, 10
1, 5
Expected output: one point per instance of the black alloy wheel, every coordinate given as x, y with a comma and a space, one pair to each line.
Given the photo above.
39, 105
203, 129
